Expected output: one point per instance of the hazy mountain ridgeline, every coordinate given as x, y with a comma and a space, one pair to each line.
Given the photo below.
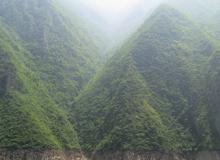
150, 95
89, 20
206, 13
46, 59
158, 92
63, 52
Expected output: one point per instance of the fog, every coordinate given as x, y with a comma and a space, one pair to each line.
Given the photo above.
115, 12
118, 19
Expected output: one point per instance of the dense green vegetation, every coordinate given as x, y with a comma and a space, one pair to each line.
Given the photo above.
206, 13
46, 59
159, 91
29, 118
64, 54
150, 95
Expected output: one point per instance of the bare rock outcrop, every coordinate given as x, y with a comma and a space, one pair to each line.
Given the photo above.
40, 155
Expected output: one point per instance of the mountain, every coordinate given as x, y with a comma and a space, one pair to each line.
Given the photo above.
149, 96
206, 13
63, 51
46, 59
158, 92
126, 27
213, 90
29, 117
89, 21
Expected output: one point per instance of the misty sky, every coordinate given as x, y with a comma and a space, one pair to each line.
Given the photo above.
116, 10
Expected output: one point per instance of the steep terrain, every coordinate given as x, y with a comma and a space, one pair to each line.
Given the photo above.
29, 117
212, 93
148, 96
63, 51
206, 13
46, 59
156, 98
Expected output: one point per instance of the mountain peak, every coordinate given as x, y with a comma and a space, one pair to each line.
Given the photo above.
147, 81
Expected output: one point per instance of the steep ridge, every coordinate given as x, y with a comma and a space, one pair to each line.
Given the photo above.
206, 13
46, 59
65, 54
29, 117
157, 98
147, 97
89, 20
212, 94
172, 56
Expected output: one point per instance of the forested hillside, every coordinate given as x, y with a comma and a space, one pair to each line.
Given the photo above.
149, 96
46, 59
64, 53
205, 13
29, 117
159, 91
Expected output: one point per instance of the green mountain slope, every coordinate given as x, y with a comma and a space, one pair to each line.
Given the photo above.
158, 92
148, 95
212, 94
29, 117
206, 13
46, 59
63, 51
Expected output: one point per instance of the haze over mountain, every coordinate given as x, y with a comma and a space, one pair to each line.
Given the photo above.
46, 58
150, 91
131, 80
119, 20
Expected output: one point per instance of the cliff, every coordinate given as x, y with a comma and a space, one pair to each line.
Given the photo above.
72, 155
205, 155
40, 155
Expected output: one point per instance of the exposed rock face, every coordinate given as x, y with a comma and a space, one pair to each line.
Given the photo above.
157, 156
40, 155
138, 156
71, 155
208, 156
